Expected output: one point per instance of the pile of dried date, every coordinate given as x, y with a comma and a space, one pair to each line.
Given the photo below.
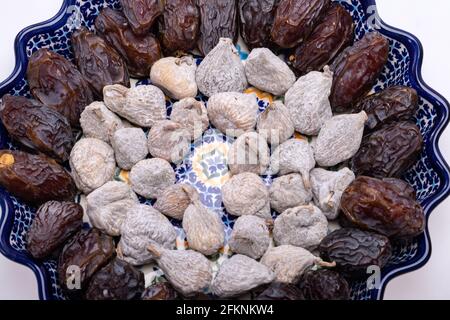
336, 153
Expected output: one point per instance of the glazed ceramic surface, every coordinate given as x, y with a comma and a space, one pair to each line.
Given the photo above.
206, 166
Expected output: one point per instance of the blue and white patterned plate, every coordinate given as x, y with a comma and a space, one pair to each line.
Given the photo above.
206, 167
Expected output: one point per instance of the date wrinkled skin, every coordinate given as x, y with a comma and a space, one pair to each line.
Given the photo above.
355, 250
54, 224
58, 84
139, 52
330, 36
141, 14
37, 126
397, 103
295, 19
356, 69
383, 206
162, 291
90, 250
218, 20
180, 25
99, 62
118, 280
324, 284
35, 179
279, 292
389, 152
256, 18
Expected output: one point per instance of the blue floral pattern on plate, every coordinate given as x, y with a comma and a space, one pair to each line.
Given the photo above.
206, 169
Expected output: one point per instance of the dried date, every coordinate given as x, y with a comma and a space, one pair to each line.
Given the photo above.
355, 250
54, 224
58, 84
141, 14
356, 69
393, 104
324, 284
85, 254
162, 291
218, 20
295, 19
280, 291
116, 281
37, 126
100, 63
256, 18
139, 52
180, 25
35, 179
383, 206
330, 36
389, 152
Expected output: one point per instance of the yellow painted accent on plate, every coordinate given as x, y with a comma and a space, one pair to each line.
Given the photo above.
6, 160
260, 94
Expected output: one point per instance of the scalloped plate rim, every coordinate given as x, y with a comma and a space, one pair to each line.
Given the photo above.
438, 162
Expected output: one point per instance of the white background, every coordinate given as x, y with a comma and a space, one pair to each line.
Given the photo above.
428, 20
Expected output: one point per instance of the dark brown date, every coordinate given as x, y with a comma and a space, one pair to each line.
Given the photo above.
389, 152
35, 179
218, 20
99, 62
160, 291
355, 250
139, 52
118, 280
37, 127
329, 38
295, 19
57, 83
256, 18
393, 104
280, 291
180, 26
383, 206
356, 69
85, 254
324, 284
142, 14
54, 224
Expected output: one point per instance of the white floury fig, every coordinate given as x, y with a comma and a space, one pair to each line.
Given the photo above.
267, 72
238, 275
275, 124
339, 139
328, 187
233, 113
293, 156
175, 76
142, 105
308, 102
221, 70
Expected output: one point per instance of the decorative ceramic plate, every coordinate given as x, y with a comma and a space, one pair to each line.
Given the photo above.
206, 167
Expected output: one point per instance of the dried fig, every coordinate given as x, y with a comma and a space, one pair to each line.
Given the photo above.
233, 113
192, 115
249, 153
303, 227
174, 200
142, 105
130, 147
175, 76
142, 226
267, 72
289, 192
238, 275
275, 124
250, 236
189, 272
246, 194
221, 70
